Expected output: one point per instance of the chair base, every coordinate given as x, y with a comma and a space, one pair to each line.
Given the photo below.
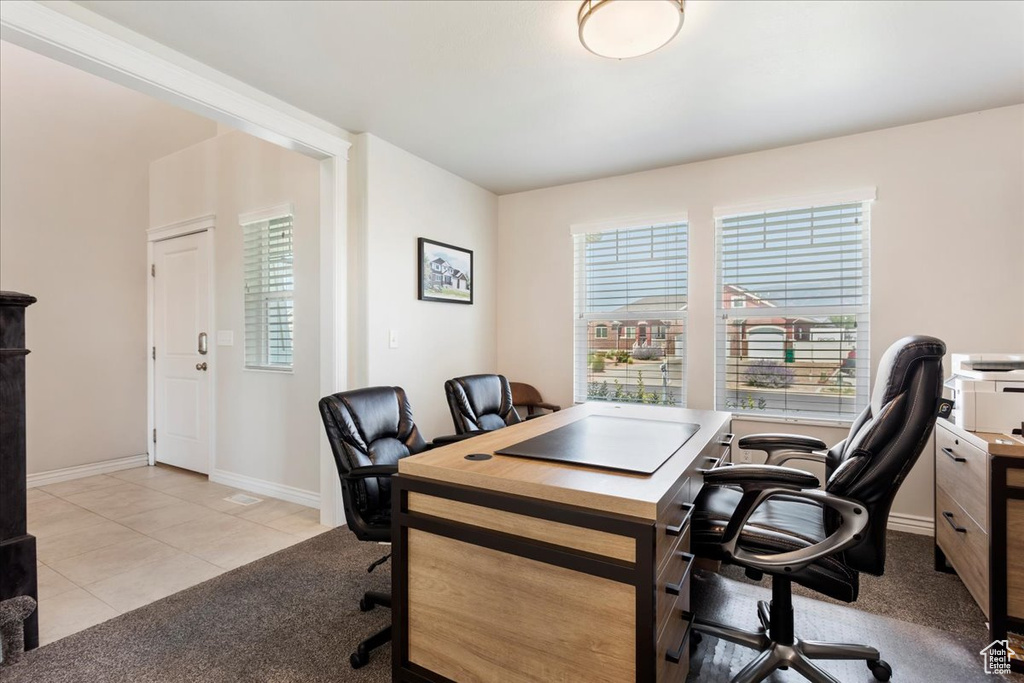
779, 649
361, 656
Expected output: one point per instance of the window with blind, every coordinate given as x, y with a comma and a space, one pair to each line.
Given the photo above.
630, 314
269, 293
792, 332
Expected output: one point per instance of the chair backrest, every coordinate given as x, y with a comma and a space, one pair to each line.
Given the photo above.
525, 394
885, 441
480, 402
372, 426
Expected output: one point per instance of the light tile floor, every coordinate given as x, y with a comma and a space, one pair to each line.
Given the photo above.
114, 542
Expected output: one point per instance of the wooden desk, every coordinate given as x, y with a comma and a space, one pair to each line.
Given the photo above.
511, 569
979, 523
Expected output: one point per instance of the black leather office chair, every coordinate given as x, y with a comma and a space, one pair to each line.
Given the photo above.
775, 520
370, 430
480, 403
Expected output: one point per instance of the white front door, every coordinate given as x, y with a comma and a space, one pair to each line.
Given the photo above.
181, 315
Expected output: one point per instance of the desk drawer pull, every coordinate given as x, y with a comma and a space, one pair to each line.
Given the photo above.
678, 529
674, 588
727, 441
953, 456
949, 518
675, 655
705, 470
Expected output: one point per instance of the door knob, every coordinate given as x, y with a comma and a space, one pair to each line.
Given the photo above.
201, 366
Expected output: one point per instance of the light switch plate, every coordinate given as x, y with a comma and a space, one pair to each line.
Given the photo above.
225, 338
392, 339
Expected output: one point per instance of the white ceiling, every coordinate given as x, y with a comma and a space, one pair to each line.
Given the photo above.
503, 94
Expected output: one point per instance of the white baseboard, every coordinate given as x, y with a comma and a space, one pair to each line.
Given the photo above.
913, 524
92, 469
268, 488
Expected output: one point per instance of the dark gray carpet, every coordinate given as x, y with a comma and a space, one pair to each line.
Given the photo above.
916, 653
910, 590
293, 616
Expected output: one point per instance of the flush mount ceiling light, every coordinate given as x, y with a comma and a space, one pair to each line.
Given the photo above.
621, 29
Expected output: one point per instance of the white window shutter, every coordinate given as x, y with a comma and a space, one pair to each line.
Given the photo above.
630, 314
269, 294
793, 312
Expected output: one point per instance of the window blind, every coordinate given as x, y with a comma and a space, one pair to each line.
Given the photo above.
269, 294
793, 311
630, 314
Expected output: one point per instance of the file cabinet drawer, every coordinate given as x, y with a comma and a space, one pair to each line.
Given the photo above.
965, 545
961, 469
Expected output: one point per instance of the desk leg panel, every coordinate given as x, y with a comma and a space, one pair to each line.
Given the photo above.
478, 603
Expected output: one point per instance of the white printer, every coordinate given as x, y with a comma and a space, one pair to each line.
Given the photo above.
988, 391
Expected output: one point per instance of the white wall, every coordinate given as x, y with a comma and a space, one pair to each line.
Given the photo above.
267, 423
395, 198
947, 247
74, 162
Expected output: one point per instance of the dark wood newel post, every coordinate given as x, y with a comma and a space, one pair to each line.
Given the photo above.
17, 546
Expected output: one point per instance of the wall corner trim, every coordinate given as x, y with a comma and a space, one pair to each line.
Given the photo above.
267, 488
89, 470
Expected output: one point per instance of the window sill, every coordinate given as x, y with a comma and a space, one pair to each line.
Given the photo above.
272, 371
805, 421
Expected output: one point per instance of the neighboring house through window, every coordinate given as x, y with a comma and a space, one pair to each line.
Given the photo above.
793, 311
627, 277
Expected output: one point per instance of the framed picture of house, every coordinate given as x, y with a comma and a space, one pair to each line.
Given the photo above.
446, 272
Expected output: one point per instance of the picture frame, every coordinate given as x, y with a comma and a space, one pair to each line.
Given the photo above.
445, 272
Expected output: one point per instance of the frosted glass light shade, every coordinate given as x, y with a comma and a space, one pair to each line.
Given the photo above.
620, 29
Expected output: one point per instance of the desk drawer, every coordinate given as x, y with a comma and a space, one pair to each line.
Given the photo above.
673, 649
672, 526
962, 470
965, 545
673, 583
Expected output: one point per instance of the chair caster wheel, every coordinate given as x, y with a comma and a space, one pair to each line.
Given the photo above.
880, 669
359, 659
365, 606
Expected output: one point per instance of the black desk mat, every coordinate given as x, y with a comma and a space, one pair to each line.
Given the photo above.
617, 443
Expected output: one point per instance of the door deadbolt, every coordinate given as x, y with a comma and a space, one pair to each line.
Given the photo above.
201, 366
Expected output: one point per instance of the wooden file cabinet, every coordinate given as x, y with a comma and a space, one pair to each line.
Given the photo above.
979, 523
522, 570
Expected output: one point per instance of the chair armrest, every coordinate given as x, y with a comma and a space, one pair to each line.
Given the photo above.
370, 471
548, 406
854, 516
777, 442
454, 438
753, 477
784, 447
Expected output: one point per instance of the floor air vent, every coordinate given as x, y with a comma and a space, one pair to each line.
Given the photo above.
243, 499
